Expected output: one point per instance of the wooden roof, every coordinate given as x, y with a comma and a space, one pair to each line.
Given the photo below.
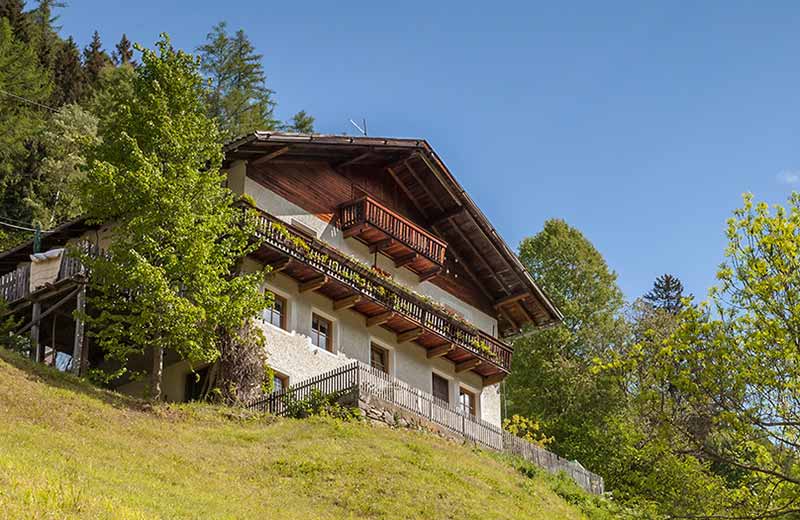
449, 211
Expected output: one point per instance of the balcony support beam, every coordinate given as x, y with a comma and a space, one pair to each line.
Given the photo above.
410, 335
280, 265
380, 319
440, 351
424, 277
467, 365
346, 303
355, 230
313, 284
405, 260
493, 379
381, 245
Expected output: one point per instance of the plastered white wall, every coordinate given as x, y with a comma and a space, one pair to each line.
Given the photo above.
291, 352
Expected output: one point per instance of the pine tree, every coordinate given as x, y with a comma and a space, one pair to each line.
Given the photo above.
666, 294
45, 31
94, 60
302, 123
239, 97
124, 51
68, 75
14, 11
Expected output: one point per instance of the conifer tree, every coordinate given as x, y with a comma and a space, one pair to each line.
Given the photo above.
45, 31
94, 60
14, 11
124, 51
666, 294
302, 123
68, 78
239, 97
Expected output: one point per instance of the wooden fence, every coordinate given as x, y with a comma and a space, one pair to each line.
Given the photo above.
357, 381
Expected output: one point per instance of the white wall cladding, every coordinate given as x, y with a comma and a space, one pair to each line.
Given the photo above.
291, 352
276, 205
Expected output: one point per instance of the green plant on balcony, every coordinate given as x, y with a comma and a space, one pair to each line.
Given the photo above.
483, 347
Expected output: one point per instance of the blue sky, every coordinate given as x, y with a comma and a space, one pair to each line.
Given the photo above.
640, 123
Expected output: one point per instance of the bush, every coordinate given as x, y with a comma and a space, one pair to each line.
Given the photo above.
320, 404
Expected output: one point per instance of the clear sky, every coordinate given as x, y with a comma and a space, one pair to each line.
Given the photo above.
640, 123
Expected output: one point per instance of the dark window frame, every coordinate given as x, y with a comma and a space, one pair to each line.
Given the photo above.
316, 333
278, 299
385, 355
472, 407
441, 381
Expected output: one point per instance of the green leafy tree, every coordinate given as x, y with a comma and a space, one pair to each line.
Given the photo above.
667, 294
123, 53
167, 281
553, 381
239, 97
733, 366
14, 12
95, 60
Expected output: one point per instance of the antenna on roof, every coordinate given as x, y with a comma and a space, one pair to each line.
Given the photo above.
362, 130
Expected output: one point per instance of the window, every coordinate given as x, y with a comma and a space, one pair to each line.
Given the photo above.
276, 315
321, 332
466, 401
379, 358
280, 382
441, 388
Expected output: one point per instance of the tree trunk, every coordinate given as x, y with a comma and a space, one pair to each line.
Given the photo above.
156, 374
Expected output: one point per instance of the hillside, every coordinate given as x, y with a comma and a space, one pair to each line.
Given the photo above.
68, 450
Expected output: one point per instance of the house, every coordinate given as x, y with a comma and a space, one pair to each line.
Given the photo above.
377, 255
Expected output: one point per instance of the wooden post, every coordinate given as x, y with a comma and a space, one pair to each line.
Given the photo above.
35, 344
77, 347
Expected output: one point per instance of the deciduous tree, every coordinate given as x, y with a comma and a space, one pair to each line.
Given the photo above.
167, 282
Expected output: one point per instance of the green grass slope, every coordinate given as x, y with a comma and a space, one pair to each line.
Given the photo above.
68, 450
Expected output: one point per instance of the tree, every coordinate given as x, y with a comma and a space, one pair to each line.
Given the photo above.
124, 52
733, 364
68, 78
667, 294
95, 60
302, 123
45, 31
166, 282
14, 12
26, 88
239, 97
68, 135
553, 381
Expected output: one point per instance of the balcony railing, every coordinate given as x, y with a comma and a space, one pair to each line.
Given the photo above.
357, 382
15, 285
367, 211
382, 290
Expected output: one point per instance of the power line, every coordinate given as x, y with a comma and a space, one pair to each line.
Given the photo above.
26, 100
16, 227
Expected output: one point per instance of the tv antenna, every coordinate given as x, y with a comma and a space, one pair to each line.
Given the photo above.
360, 129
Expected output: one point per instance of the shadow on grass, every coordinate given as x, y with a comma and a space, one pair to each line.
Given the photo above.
52, 377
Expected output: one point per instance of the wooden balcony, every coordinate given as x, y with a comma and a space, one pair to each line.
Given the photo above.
393, 235
351, 284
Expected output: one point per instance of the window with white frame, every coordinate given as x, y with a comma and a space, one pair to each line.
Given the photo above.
321, 332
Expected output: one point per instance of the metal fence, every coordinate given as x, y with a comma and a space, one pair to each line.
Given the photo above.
358, 381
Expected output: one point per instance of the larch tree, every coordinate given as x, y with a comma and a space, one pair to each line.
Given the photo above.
167, 283
238, 98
